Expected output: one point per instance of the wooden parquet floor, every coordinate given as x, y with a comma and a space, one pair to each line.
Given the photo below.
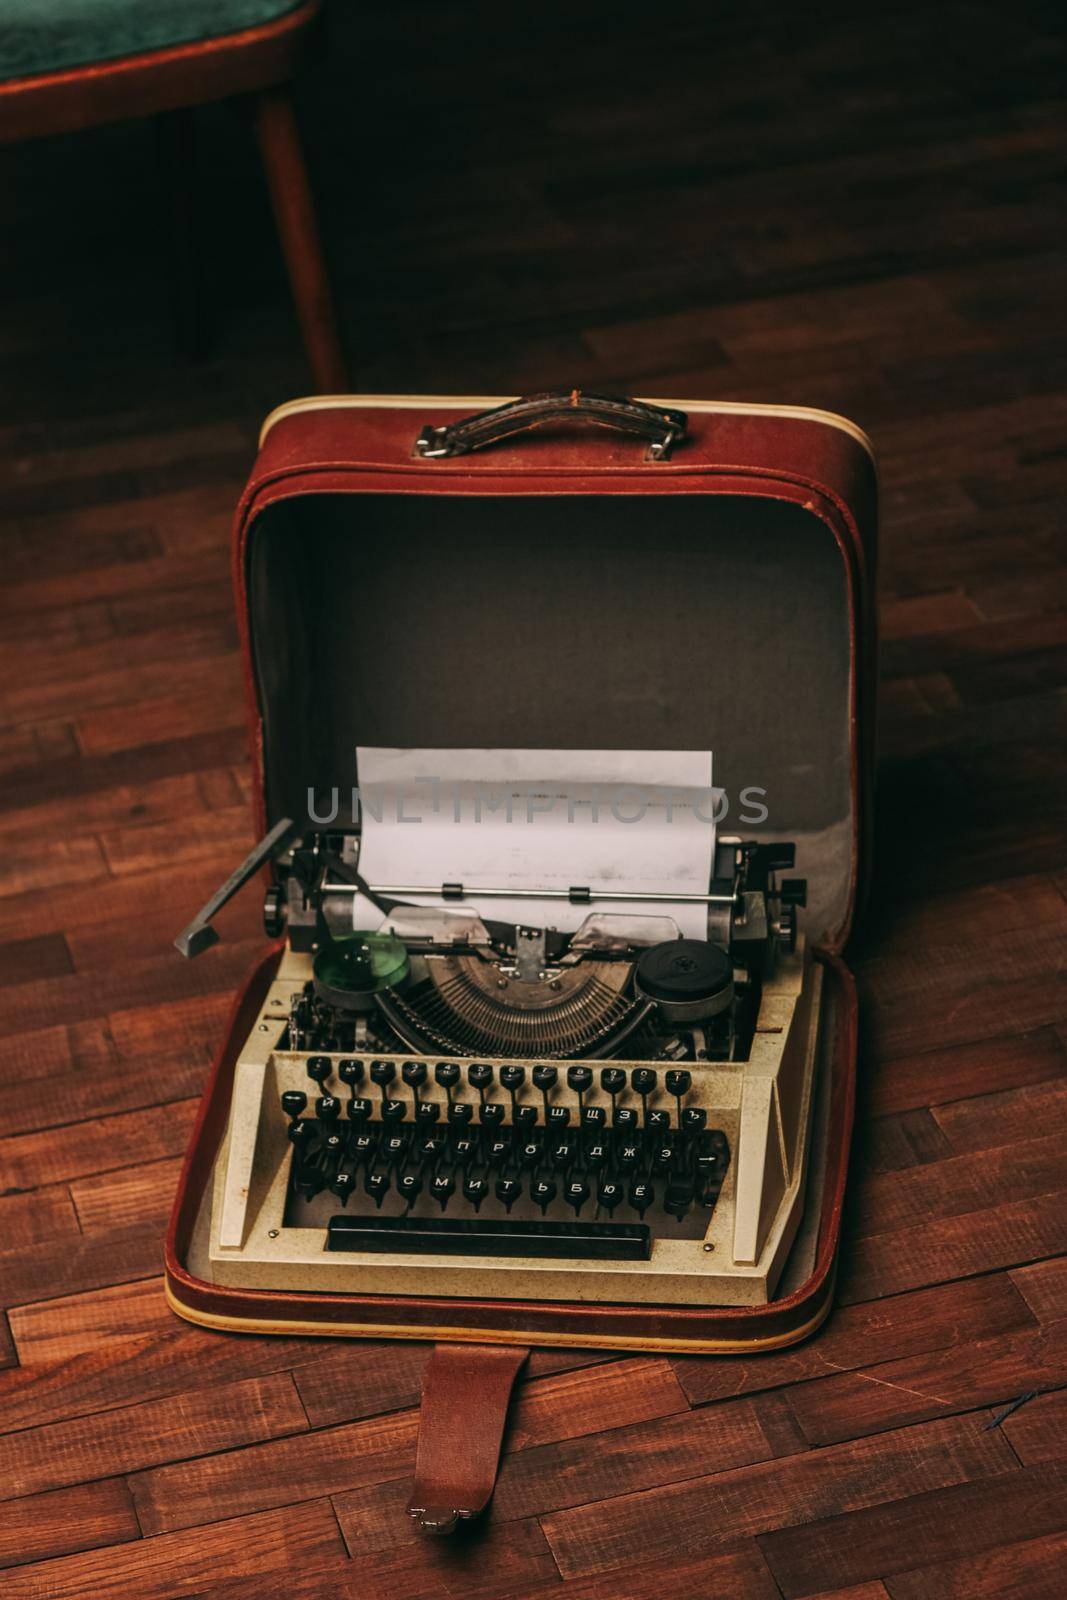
826, 206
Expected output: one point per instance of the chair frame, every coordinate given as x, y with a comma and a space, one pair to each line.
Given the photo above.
259, 62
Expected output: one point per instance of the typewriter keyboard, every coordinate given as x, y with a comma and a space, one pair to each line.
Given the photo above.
500, 1159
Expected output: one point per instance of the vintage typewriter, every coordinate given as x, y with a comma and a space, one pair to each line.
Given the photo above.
448, 1103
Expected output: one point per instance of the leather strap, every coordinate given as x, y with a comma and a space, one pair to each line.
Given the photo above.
465, 1395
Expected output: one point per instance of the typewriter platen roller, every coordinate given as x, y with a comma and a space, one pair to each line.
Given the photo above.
456, 1106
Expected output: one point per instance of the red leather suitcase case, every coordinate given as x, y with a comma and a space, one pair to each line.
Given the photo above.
535, 576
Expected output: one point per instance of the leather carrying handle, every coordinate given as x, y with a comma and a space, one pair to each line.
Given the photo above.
465, 1395
661, 426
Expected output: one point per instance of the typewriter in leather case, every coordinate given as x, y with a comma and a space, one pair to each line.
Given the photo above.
552, 1041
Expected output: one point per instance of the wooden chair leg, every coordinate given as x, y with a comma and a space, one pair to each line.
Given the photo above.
294, 213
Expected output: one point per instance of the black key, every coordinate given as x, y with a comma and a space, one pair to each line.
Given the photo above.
294, 1101
608, 1194
409, 1187
427, 1112
612, 1080
545, 1078
543, 1192
525, 1118
446, 1074
491, 1113
328, 1107
359, 1110
595, 1156
462, 1151
460, 1113
413, 1073
442, 1187
625, 1120
580, 1079
362, 1145
512, 1078
302, 1132
594, 1119
343, 1185
664, 1159
694, 1119
394, 1147
376, 1184
530, 1154
640, 1195
431, 1147
319, 1068
508, 1191
350, 1072
499, 1151
576, 1192
642, 1081
474, 1191
394, 1110
678, 1082
558, 1117
657, 1122
606, 1241
479, 1076
628, 1155
562, 1153
678, 1198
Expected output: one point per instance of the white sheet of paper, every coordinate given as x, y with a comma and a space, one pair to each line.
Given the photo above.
544, 820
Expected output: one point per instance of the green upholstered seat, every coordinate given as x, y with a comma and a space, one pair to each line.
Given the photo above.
47, 35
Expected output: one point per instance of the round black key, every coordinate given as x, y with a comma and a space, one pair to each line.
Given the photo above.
328, 1107
559, 1117
301, 1132
593, 1119
576, 1193
394, 1110
608, 1194
463, 1151
342, 1186
512, 1078
350, 1072
530, 1154
543, 1192
376, 1184
446, 1074
382, 1072
625, 1120
580, 1079
395, 1147
640, 1196
642, 1080
359, 1110
319, 1068
460, 1113
508, 1191
431, 1147
545, 1078
409, 1187
664, 1159
678, 1198
475, 1190
694, 1119
657, 1122
491, 1114
442, 1188
413, 1073
525, 1118
595, 1156
499, 1150
678, 1081
562, 1153
427, 1113
479, 1075
628, 1155
293, 1102
612, 1080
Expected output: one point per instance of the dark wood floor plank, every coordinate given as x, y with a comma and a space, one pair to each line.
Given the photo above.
1030, 1570
956, 1522
1044, 1288
1037, 1430
382, 1449
965, 1071
1005, 1118
184, 1564
699, 1513
131, 1438
940, 1318
64, 1521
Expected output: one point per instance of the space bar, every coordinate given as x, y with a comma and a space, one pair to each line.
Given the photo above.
475, 1236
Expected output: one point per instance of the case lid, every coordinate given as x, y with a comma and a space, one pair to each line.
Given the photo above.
565, 589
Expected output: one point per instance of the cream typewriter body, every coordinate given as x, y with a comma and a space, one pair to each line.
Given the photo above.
458, 1106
